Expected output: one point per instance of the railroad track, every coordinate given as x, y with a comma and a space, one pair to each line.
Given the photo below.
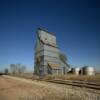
84, 84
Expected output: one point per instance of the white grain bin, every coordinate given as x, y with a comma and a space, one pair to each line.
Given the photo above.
87, 70
76, 70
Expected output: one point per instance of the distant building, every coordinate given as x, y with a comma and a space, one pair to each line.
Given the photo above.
47, 55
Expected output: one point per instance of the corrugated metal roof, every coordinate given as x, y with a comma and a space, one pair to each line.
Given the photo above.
45, 31
53, 65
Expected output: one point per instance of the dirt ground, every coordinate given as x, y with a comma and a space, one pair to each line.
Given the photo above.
13, 88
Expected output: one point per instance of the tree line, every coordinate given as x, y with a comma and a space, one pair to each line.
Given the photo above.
15, 69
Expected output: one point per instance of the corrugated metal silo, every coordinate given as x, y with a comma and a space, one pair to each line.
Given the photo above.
76, 70
87, 70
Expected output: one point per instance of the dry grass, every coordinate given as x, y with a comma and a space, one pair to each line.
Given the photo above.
26, 76
95, 78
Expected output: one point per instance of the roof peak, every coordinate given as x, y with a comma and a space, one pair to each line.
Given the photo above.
45, 30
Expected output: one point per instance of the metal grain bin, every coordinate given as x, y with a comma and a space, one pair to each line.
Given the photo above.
87, 70
76, 70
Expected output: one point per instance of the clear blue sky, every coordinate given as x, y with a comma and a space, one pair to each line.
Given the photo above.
76, 24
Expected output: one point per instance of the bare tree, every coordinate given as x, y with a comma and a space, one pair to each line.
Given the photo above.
13, 68
21, 69
63, 58
6, 71
17, 68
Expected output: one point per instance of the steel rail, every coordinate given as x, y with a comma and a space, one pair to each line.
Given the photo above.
84, 84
